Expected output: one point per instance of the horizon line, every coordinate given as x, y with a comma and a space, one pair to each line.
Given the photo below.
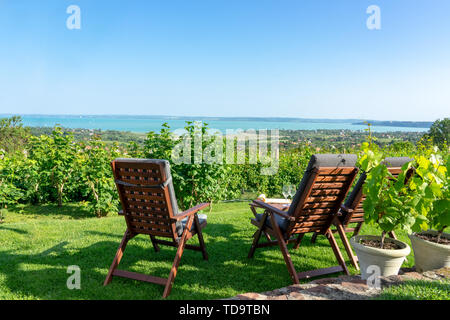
213, 117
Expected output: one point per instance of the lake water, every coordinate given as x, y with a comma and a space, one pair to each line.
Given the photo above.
150, 123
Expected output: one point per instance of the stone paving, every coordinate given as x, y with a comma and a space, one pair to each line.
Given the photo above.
342, 288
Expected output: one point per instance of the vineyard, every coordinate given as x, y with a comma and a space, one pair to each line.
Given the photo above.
60, 166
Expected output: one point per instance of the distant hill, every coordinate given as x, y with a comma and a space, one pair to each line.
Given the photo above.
410, 124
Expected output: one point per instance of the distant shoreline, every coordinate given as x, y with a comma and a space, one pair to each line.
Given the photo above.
395, 123
145, 123
409, 124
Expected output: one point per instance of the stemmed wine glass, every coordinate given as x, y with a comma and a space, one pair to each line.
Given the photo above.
292, 190
286, 191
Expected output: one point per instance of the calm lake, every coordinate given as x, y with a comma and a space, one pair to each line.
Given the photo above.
153, 123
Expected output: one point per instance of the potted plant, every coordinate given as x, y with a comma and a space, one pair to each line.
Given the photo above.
389, 204
430, 243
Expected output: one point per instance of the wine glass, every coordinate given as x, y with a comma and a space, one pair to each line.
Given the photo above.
292, 190
286, 191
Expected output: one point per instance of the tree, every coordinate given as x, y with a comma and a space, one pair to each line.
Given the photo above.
440, 132
13, 136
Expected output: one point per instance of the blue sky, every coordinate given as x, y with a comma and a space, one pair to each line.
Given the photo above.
283, 58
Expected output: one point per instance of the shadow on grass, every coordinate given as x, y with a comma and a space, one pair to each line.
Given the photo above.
67, 211
8, 228
227, 272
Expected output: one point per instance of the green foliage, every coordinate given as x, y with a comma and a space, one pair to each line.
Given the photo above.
195, 178
431, 183
74, 165
95, 169
56, 168
55, 156
9, 193
420, 203
440, 132
389, 203
13, 136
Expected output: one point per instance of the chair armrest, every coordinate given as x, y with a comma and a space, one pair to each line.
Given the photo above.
190, 211
277, 211
346, 209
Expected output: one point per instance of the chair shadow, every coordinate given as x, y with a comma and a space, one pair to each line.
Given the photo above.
5, 227
71, 211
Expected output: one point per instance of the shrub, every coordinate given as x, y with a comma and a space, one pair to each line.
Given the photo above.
55, 159
96, 174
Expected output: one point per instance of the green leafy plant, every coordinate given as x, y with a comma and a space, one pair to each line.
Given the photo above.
195, 178
440, 133
9, 193
13, 136
389, 203
97, 176
432, 183
55, 157
421, 202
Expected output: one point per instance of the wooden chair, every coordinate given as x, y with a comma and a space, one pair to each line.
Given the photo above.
314, 208
352, 211
150, 207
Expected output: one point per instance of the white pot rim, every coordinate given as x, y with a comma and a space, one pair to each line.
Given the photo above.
430, 243
393, 253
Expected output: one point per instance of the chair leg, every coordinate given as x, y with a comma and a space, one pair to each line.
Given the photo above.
284, 251
357, 229
200, 237
346, 243
267, 236
127, 236
299, 241
314, 237
176, 261
336, 251
257, 236
265, 233
155, 245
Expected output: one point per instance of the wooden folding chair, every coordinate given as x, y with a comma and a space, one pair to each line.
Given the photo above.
314, 208
352, 210
150, 207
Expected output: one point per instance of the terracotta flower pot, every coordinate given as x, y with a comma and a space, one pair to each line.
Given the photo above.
388, 261
430, 255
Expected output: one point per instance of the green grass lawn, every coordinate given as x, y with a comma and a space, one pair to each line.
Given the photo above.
417, 290
39, 243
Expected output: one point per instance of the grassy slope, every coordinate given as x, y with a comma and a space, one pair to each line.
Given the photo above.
39, 243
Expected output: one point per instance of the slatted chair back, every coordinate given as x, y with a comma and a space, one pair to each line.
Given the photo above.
324, 186
356, 198
314, 208
147, 196
150, 207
